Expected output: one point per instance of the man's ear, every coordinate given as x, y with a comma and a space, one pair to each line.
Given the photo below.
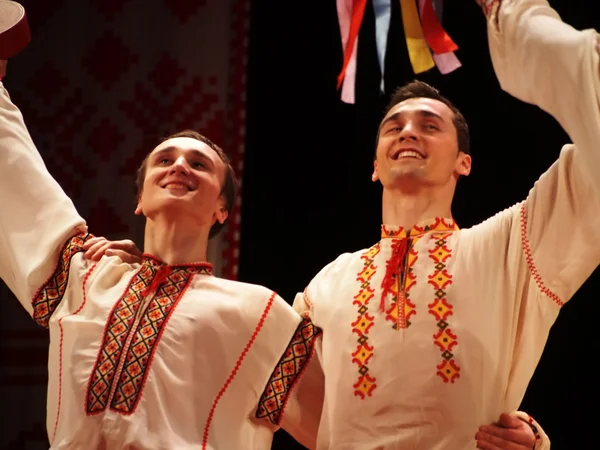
463, 164
375, 176
221, 213
138, 209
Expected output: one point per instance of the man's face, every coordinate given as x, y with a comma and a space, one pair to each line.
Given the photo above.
418, 146
184, 177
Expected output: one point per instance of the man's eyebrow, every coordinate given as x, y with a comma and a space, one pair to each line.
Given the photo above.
169, 150
422, 112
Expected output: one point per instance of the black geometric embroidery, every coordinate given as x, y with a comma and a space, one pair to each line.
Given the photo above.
49, 296
286, 373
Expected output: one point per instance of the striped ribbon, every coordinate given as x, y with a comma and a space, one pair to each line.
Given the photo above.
350, 15
427, 42
438, 40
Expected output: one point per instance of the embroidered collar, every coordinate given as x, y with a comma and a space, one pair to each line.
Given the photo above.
425, 226
197, 267
396, 266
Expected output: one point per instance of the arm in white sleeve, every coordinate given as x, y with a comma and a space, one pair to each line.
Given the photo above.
297, 403
37, 219
541, 60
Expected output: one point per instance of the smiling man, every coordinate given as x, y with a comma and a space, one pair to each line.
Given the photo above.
435, 329
156, 354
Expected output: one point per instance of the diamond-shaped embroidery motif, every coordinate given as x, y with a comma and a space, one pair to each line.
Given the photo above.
444, 339
365, 386
144, 338
288, 370
51, 293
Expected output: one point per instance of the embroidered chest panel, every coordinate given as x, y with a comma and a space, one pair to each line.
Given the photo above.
133, 331
423, 248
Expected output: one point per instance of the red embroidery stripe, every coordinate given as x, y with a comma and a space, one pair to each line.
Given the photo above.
531, 264
235, 370
60, 360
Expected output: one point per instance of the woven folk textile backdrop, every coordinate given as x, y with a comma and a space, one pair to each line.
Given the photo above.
99, 84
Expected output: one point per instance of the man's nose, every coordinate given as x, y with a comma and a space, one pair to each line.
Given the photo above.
180, 166
408, 133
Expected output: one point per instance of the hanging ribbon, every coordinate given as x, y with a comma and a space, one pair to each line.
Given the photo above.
350, 15
383, 12
436, 37
418, 50
439, 41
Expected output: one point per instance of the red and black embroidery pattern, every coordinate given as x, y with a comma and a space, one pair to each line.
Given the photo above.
131, 335
49, 296
287, 372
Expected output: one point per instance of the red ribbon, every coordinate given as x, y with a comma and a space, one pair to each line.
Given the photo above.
393, 268
437, 39
358, 11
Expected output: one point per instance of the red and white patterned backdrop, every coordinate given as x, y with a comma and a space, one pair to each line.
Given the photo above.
99, 84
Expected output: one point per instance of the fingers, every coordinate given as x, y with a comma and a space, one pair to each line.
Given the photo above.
484, 444
91, 247
489, 442
509, 433
97, 250
91, 241
509, 421
97, 247
125, 257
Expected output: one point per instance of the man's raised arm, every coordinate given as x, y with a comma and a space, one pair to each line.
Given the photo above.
541, 60
37, 219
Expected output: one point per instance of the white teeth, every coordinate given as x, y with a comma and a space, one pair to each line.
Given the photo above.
409, 154
177, 185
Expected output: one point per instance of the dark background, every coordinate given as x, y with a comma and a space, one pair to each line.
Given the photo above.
307, 194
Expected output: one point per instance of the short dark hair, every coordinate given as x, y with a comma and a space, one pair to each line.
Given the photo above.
420, 89
230, 184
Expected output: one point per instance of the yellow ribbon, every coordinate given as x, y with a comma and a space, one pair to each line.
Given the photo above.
418, 50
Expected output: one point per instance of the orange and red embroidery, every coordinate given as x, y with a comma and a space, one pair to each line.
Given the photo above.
49, 296
287, 373
235, 370
531, 264
130, 338
398, 281
440, 279
361, 326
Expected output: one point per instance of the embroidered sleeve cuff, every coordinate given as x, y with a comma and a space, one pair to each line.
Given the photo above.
490, 9
51, 293
542, 441
287, 372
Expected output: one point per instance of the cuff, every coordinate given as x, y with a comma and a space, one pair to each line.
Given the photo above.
542, 441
